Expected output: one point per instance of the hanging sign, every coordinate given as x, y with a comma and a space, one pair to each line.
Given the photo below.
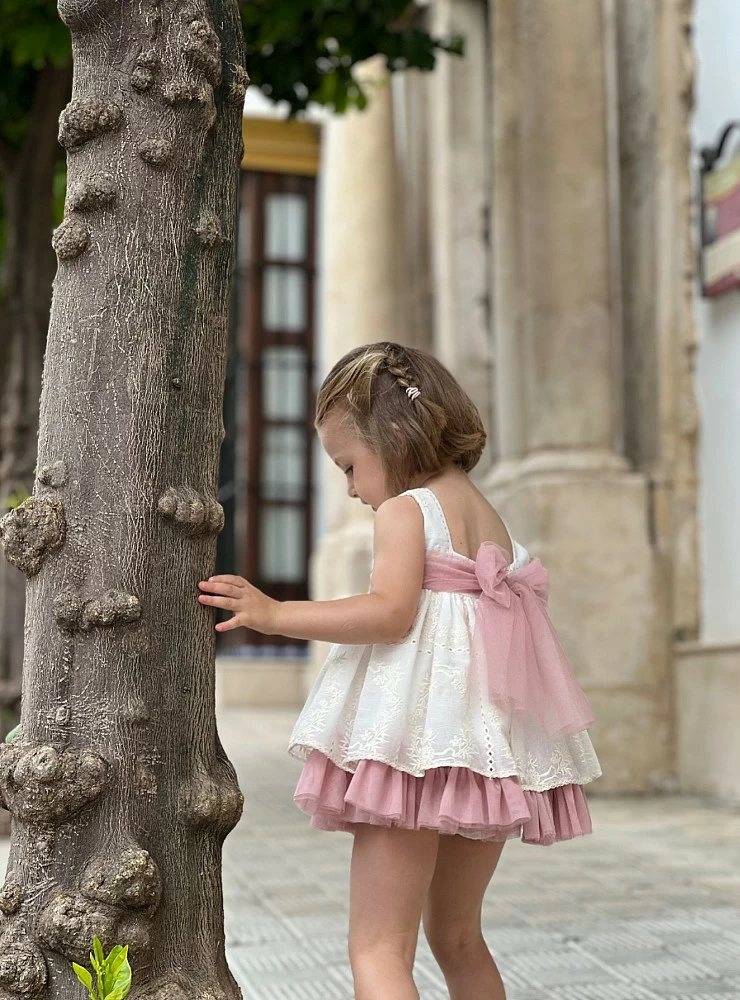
720, 221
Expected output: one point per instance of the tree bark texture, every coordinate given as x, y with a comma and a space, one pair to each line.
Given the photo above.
120, 791
28, 269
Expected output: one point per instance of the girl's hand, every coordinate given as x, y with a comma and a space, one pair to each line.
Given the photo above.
251, 608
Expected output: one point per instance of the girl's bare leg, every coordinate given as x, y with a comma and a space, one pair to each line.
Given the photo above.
391, 873
452, 918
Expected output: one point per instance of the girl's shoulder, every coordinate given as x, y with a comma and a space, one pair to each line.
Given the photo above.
400, 513
436, 532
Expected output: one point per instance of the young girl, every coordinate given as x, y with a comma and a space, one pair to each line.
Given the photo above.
446, 718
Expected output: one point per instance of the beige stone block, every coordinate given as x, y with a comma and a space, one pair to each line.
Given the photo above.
632, 736
707, 682
252, 682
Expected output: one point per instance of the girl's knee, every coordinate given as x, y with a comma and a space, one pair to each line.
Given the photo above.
365, 953
381, 970
455, 945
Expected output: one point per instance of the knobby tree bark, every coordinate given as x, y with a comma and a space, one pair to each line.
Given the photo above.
120, 791
28, 269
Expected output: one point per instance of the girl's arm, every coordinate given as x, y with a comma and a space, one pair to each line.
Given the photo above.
384, 615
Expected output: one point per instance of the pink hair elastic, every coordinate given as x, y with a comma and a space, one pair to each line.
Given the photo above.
412, 392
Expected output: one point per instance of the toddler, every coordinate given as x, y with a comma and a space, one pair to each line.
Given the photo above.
446, 718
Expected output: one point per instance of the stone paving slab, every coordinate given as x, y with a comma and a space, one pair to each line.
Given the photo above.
646, 909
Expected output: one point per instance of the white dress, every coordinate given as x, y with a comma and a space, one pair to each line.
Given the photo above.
420, 703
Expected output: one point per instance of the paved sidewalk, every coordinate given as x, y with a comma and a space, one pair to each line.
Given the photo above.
646, 909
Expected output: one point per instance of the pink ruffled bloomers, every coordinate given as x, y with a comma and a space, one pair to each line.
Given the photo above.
452, 800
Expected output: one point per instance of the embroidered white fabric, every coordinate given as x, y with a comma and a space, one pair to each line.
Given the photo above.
420, 704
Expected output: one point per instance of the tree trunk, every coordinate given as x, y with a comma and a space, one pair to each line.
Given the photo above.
28, 270
120, 791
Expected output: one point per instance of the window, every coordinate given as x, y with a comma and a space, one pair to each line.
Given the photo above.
274, 332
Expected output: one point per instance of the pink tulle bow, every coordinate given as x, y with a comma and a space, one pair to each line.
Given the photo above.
514, 642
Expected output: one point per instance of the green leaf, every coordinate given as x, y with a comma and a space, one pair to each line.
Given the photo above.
85, 978
83, 975
98, 963
123, 979
13, 734
108, 976
122, 985
117, 970
99, 954
113, 963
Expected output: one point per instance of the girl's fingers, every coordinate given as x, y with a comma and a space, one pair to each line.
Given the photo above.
225, 589
226, 626
228, 603
235, 581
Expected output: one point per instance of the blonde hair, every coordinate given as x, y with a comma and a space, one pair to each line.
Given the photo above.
412, 434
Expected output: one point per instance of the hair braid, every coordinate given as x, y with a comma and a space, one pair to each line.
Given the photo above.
396, 367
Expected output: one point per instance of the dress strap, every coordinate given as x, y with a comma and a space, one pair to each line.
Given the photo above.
436, 531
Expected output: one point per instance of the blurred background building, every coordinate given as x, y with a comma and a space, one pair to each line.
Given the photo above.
529, 214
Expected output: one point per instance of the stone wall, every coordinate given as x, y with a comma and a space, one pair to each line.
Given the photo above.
707, 714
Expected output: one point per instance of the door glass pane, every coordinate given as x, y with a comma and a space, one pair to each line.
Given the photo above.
283, 463
284, 383
284, 299
285, 227
282, 544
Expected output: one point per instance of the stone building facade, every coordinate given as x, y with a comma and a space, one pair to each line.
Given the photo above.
526, 214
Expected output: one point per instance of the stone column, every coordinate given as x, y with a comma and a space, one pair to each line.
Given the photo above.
360, 303
563, 483
411, 101
460, 200
506, 205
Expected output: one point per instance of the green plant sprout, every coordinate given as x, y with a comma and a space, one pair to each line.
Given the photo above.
113, 973
13, 733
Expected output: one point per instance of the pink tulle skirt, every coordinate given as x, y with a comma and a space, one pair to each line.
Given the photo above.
452, 800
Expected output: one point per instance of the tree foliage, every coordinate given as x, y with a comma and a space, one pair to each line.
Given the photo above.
304, 51
298, 52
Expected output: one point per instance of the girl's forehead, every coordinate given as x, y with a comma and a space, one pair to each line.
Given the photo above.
335, 435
